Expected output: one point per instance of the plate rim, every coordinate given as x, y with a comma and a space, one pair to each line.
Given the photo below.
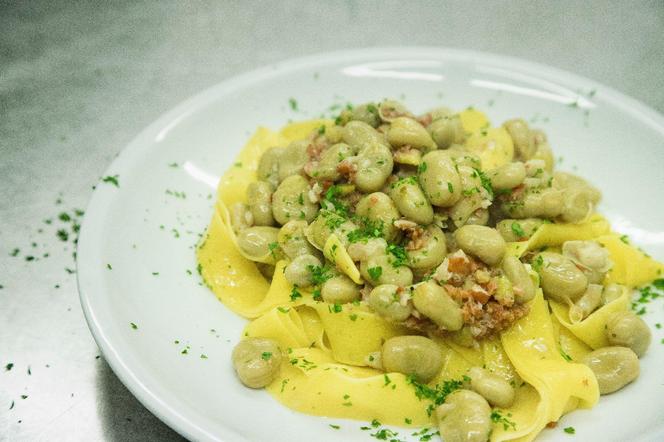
169, 119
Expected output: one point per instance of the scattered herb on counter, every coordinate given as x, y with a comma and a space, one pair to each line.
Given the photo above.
336, 427
569, 430
134, 326
109, 267
14, 253
9, 366
292, 102
63, 235
110, 179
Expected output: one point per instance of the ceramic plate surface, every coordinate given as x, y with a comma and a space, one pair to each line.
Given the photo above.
136, 260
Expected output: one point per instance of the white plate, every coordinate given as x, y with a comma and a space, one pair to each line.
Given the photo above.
611, 139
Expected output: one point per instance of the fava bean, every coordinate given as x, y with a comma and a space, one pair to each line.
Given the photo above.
559, 277
298, 271
591, 257
537, 203
326, 224
410, 201
367, 113
358, 135
256, 361
292, 240
379, 207
481, 241
431, 253
439, 179
363, 250
412, 355
586, 304
446, 131
259, 242
407, 131
626, 329
268, 166
259, 200
291, 201
326, 168
432, 301
614, 367
507, 176
518, 229
374, 165
241, 217
292, 159
389, 110
378, 269
524, 146
496, 390
522, 285
612, 292
464, 417
386, 301
340, 290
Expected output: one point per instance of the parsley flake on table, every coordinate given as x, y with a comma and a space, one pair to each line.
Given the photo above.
112, 179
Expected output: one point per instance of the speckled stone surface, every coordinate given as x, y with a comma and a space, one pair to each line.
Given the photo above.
78, 80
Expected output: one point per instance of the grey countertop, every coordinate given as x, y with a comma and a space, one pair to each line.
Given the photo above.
78, 80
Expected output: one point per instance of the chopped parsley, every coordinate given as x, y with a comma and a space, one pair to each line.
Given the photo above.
518, 230
266, 355
353, 317
437, 394
498, 418
569, 430
450, 187
565, 356
336, 427
283, 309
292, 102
399, 254
369, 229
624, 238
321, 130
134, 326
375, 272
9, 366
648, 294
295, 293
422, 167
319, 274
63, 235
335, 308
486, 182
112, 179
272, 247
332, 197
538, 263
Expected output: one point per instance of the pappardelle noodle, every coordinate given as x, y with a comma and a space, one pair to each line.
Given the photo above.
427, 270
